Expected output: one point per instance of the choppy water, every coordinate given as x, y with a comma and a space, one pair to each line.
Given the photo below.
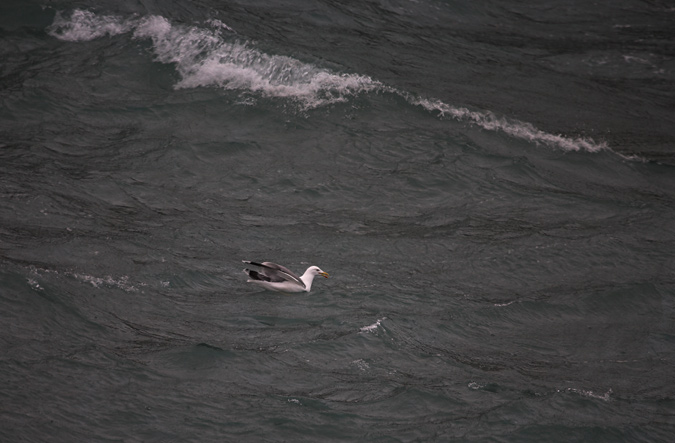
491, 186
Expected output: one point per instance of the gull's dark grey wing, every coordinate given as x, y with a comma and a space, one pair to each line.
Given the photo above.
255, 275
274, 273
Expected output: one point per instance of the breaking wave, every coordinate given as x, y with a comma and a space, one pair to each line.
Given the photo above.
213, 55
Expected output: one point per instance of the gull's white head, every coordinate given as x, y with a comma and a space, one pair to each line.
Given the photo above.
315, 270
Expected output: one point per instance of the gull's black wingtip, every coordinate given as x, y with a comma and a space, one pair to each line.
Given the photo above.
254, 263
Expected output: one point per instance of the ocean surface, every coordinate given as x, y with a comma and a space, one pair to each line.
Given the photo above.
490, 185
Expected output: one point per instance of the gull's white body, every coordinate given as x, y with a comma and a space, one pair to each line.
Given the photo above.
278, 278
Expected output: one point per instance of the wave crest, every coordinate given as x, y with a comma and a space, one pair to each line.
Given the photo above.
517, 129
214, 56
86, 25
203, 57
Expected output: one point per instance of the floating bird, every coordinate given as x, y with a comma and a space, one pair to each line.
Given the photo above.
279, 278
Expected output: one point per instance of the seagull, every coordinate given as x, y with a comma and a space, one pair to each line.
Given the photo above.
279, 278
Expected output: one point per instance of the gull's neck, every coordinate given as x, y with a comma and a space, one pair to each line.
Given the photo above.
307, 278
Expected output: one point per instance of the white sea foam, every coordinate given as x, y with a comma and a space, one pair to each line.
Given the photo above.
204, 57
590, 394
361, 364
35, 285
517, 129
237, 66
214, 22
86, 25
108, 281
374, 326
97, 282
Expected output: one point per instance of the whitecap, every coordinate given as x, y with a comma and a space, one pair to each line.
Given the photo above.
204, 59
86, 25
214, 22
374, 326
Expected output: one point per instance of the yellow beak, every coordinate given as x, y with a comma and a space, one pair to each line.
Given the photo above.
324, 274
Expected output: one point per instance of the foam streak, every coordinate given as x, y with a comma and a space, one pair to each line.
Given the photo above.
487, 120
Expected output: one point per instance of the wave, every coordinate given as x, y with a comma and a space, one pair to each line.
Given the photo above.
214, 55
203, 58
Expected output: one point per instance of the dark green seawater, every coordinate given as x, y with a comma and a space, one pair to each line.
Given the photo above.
491, 186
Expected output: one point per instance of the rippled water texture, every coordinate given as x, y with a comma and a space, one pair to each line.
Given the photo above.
490, 186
